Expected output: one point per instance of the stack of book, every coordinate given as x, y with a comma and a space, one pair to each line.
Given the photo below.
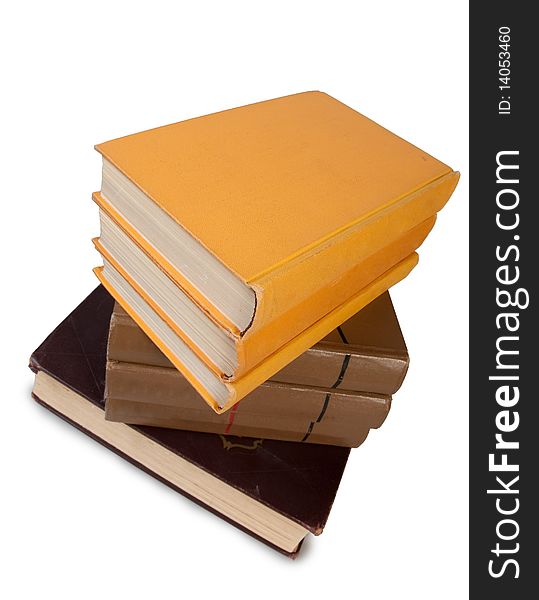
243, 340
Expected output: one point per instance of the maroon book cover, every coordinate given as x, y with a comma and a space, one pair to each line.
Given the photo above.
298, 481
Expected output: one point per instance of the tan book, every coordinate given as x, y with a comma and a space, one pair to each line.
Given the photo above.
367, 351
162, 397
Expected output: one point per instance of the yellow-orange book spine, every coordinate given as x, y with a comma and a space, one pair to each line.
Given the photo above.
302, 276
273, 333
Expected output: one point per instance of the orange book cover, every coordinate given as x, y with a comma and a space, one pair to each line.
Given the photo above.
288, 195
254, 347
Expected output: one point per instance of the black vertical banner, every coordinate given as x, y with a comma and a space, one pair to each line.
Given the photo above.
504, 332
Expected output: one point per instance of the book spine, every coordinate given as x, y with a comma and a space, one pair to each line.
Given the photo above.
308, 286
355, 370
253, 348
333, 367
324, 265
161, 397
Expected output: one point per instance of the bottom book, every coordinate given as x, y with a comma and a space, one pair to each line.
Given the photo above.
276, 491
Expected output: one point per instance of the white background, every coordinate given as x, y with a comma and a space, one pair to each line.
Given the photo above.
77, 521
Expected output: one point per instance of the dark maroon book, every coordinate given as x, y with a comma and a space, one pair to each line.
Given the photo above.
276, 491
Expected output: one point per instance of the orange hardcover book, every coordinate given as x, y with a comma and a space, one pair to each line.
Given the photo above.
250, 350
265, 219
221, 394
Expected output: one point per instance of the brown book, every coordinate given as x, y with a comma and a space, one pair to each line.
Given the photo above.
276, 491
367, 353
145, 394
162, 397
